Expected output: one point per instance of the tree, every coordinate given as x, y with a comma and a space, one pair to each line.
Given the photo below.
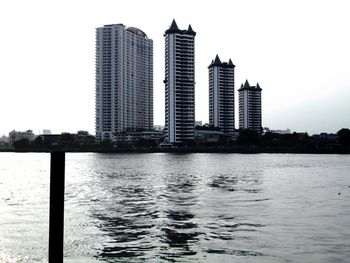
344, 136
106, 144
248, 136
39, 141
21, 144
66, 139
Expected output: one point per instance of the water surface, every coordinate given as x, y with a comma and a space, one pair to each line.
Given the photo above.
180, 208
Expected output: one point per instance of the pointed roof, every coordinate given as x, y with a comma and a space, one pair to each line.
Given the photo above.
217, 59
215, 62
174, 25
258, 86
246, 86
230, 63
173, 28
219, 63
190, 30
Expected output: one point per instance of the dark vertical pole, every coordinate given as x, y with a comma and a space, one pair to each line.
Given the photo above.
56, 227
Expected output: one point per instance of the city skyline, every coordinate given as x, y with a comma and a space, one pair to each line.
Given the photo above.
298, 52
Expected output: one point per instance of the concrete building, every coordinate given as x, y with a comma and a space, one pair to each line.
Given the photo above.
18, 135
179, 84
286, 131
4, 139
198, 123
158, 127
124, 81
46, 132
222, 95
250, 107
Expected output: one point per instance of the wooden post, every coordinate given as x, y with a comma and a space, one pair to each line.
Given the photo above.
56, 228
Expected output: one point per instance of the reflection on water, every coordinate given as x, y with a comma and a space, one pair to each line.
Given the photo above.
180, 208
180, 230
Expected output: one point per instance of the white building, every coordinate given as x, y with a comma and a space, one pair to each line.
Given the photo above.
4, 139
250, 107
198, 123
17, 135
124, 81
179, 84
286, 131
222, 95
46, 132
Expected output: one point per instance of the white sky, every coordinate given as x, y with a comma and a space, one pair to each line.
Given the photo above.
298, 51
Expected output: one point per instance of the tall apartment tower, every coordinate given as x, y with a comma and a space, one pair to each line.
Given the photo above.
250, 107
124, 81
222, 95
179, 84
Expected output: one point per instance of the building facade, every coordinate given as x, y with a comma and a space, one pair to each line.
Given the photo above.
124, 81
250, 107
18, 135
179, 84
222, 95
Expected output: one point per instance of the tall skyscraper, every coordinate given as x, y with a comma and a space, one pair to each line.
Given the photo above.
124, 81
222, 95
250, 107
179, 84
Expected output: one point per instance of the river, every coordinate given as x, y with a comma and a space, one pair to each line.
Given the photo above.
163, 207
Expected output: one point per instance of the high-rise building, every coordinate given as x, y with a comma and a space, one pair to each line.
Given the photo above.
222, 95
250, 107
179, 84
124, 81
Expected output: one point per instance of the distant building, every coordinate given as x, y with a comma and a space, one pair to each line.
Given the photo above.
79, 138
179, 84
124, 81
222, 95
4, 139
198, 123
83, 137
154, 136
18, 135
286, 131
46, 132
205, 134
199, 132
250, 107
329, 136
158, 127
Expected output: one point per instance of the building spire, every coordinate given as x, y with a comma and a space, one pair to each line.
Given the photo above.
258, 86
230, 62
174, 25
217, 59
190, 30
173, 28
246, 84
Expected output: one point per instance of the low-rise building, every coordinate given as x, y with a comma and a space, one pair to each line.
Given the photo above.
155, 136
4, 139
18, 135
286, 131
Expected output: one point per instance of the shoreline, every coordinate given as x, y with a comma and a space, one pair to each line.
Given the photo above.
250, 150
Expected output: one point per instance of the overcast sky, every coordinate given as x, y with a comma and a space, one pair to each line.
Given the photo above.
298, 51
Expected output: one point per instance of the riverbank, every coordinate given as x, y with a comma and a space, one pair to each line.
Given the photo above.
252, 149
